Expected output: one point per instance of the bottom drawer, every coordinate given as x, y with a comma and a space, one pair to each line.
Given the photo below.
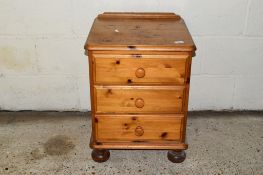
138, 127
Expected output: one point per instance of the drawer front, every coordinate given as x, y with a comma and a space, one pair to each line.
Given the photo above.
138, 127
139, 99
147, 69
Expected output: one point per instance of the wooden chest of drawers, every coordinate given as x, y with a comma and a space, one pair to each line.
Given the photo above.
140, 66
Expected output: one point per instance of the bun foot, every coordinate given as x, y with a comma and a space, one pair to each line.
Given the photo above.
100, 155
176, 156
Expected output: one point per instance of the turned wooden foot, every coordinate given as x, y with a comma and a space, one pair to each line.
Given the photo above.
176, 156
100, 155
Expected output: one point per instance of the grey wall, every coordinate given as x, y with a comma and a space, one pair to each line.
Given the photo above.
42, 65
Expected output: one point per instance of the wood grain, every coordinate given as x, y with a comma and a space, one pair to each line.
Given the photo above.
161, 145
138, 127
128, 31
132, 15
122, 99
140, 67
124, 69
92, 98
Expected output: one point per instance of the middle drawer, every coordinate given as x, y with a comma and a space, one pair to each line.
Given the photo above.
139, 99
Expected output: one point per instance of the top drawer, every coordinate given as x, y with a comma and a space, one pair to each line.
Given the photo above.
140, 69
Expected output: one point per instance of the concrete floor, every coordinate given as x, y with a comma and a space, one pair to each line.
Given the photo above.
57, 143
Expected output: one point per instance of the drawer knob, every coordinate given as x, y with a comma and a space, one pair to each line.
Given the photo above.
140, 73
139, 102
139, 131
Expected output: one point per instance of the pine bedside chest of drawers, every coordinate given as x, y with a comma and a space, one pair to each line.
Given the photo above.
140, 66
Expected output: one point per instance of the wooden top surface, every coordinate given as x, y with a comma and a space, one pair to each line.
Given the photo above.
139, 31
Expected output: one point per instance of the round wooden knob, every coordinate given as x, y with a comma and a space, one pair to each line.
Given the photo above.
140, 73
139, 131
139, 103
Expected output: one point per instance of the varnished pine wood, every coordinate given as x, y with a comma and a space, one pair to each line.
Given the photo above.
132, 15
139, 32
92, 99
142, 53
186, 99
114, 128
155, 69
144, 145
140, 66
122, 99
160, 145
